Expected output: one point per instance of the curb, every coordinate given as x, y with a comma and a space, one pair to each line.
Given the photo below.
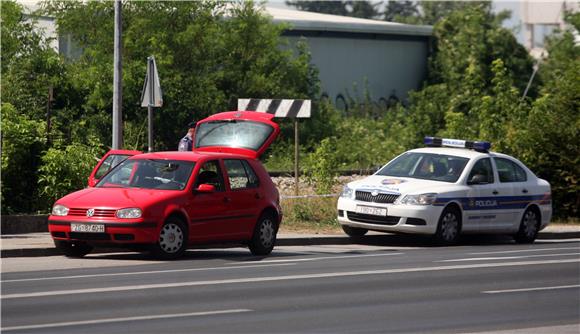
294, 241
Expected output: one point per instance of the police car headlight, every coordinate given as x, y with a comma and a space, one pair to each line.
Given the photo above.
129, 213
59, 210
346, 192
422, 199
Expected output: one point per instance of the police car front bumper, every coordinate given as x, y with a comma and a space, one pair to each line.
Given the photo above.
419, 219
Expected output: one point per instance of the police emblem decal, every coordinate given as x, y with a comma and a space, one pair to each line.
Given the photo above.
90, 212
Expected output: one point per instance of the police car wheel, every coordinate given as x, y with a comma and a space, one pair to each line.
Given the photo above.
172, 240
529, 227
264, 236
354, 231
73, 249
449, 227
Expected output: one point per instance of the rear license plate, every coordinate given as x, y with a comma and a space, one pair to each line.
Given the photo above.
88, 228
371, 210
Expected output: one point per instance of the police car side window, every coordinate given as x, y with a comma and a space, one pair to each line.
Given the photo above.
481, 173
509, 171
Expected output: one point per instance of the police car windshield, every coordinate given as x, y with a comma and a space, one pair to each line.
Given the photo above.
427, 166
149, 174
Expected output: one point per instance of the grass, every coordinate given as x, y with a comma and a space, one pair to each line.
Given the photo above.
310, 215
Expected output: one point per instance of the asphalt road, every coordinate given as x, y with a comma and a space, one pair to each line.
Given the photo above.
482, 285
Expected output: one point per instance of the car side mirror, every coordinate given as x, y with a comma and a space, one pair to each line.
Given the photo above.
205, 188
478, 179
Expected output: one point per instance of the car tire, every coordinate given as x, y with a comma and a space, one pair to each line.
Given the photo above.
529, 227
172, 240
73, 249
449, 227
354, 231
264, 236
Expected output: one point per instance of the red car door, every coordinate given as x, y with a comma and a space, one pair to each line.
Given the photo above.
244, 196
207, 209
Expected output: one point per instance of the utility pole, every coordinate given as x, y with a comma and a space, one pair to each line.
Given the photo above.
117, 81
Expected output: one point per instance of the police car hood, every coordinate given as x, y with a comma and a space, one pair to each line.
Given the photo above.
401, 185
115, 198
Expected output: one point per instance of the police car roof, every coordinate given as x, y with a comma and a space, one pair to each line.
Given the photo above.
458, 152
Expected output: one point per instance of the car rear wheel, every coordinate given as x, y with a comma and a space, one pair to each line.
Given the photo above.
74, 249
172, 240
354, 231
449, 227
529, 227
264, 236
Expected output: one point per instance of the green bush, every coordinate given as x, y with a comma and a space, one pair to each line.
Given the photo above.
22, 144
66, 170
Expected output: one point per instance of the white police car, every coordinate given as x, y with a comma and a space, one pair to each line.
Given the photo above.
448, 188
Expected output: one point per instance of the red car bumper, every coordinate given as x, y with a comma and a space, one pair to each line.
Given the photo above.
116, 233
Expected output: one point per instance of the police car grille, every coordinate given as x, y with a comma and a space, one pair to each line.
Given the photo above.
99, 213
371, 219
366, 196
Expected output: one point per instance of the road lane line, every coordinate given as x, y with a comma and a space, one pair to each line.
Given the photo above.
113, 320
321, 258
525, 250
534, 289
144, 272
279, 278
507, 257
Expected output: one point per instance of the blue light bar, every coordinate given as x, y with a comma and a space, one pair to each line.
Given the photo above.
480, 146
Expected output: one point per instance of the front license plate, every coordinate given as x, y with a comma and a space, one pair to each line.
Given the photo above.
371, 210
88, 228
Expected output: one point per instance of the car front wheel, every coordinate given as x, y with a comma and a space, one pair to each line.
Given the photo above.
449, 227
529, 227
172, 240
264, 236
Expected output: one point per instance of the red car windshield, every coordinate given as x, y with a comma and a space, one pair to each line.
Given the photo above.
149, 174
232, 133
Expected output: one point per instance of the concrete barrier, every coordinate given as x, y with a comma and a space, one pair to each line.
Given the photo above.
19, 224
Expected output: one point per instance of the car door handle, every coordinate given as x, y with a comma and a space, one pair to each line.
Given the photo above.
525, 191
227, 199
257, 196
495, 192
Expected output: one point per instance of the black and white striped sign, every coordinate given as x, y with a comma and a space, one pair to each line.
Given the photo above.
277, 107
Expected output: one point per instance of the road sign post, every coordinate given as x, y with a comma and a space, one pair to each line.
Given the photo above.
282, 108
151, 97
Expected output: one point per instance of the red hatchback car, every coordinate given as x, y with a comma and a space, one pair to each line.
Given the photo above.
168, 201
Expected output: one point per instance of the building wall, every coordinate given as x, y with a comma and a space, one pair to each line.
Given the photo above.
384, 66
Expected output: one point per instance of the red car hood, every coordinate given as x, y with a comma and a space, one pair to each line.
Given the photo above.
115, 198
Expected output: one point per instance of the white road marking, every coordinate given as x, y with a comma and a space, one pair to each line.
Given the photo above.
526, 250
507, 257
279, 278
534, 289
321, 258
113, 320
144, 273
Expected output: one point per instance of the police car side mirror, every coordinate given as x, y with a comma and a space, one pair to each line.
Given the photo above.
478, 179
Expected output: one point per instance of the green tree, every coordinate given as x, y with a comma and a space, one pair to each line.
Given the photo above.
357, 8
22, 143
401, 11
205, 61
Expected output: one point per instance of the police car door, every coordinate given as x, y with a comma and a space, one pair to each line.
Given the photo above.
481, 203
515, 190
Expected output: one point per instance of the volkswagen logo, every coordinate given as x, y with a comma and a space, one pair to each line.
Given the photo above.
375, 193
90, 212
